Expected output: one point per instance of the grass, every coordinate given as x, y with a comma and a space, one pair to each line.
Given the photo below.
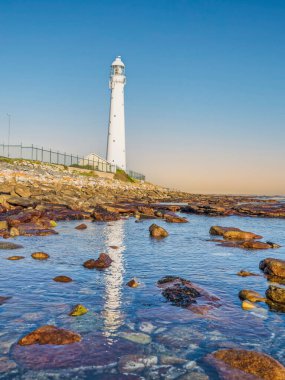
88, 167
123, 176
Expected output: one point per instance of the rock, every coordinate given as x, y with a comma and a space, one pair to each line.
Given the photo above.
136, 363
251, 295
183, 293
255, 245
23, 202
240, 235
244, 273
40, 256
14, 232
194, 375
170, 360
246, 305
157, 231
133, 283
173, 218
103, 261
81, 226
218, 230
237, 364
15, 258
22, 191
52, 223
273, 245
136, 337
276, 294
273, 267
6, 365
8, 245
102, 215
50, 335
3, 299
62, 279
114, 247
78, 310
3, 225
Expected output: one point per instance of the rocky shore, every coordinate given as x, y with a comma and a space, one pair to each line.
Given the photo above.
33, 196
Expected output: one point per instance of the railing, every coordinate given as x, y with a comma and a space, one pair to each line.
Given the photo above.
51, 157
90, 162
136, 175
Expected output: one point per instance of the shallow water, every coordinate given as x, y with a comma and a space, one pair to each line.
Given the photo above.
114, 308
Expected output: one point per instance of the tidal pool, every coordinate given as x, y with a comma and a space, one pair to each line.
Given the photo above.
125, 321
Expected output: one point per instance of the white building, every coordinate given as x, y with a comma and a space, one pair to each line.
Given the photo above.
116, 146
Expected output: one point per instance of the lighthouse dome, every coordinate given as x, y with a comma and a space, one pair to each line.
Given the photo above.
118, 62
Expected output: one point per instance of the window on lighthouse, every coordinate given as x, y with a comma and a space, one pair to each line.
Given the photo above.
118, 70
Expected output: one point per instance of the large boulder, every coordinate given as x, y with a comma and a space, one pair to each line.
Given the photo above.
157, 231
50, 335
276, 294
273, 267
103, 262
235, 364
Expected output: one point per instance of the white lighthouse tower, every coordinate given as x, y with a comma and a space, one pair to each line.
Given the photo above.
116, 146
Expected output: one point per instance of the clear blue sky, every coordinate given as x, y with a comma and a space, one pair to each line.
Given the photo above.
205, 94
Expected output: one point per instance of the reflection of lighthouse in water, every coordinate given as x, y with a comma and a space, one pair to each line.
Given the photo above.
113, 316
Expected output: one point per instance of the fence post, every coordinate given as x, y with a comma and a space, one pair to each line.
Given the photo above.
77, 160
50, 156
71, 160
42, 154
64, 160
21, 151
32, 152
57, 157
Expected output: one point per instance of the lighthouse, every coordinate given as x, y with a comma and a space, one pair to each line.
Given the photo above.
116, 146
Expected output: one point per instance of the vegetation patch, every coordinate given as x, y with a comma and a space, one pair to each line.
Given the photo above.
121, 175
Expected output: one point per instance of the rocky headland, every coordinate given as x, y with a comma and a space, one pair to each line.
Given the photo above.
33, 196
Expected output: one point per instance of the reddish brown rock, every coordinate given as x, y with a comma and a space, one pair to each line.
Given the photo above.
157, 231
40, 256
173, 218
81, 226
133, 283
102, 215
62, 279
103, 261
12, 258
251, 244
240, 235
218, 230
235, 364
251, 295
273, 267
50, 335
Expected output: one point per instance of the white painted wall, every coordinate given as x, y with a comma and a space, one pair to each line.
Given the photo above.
116, 147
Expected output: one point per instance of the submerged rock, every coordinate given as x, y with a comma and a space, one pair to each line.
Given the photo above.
136, 363
136, 337
81, 226
103, 261
3, 299
78, 310
245, 273
273, 245
251, 295
183, 293
40, 256
62, 279
255, 245
157, 231
246, 305
15, 258
8, 245
173, 218
50, 335
273, 267
218, 230
236, 364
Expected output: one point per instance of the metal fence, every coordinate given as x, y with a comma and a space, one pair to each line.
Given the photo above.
91, 162
51, 157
